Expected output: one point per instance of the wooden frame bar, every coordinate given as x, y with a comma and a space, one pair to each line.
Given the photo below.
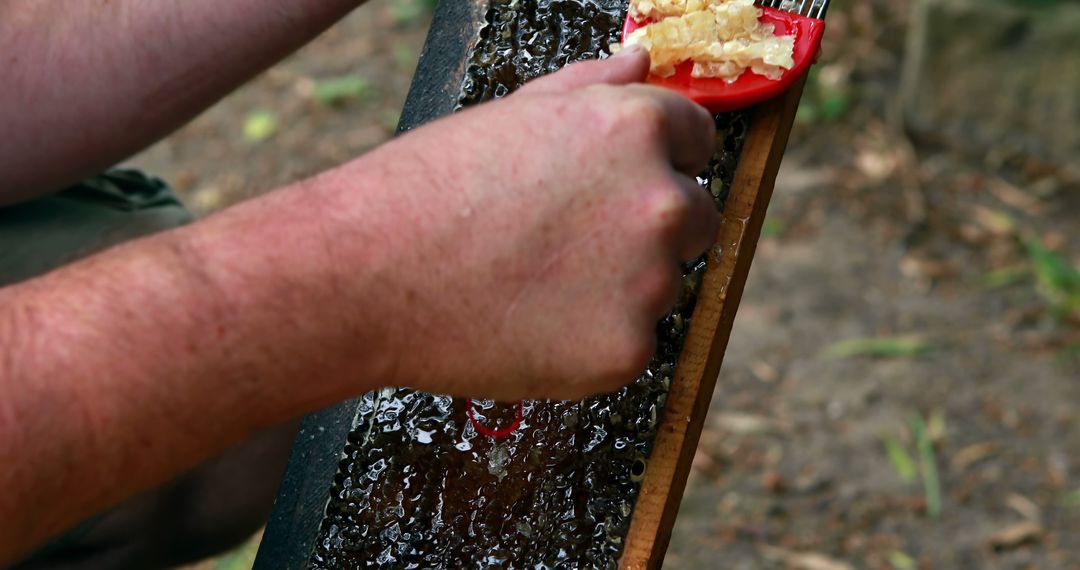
710, 328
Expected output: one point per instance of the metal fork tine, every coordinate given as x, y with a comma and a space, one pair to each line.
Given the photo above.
809, 8
821, 9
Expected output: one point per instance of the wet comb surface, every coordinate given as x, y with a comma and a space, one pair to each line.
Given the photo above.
418, 487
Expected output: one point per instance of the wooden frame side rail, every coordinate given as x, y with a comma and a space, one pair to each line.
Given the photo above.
710, 329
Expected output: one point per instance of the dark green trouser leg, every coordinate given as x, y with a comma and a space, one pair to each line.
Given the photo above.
205, 511
117, 206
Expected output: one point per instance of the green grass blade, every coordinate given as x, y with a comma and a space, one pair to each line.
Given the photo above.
1004, 277
337, 90
931, 480
242, 558
901, 460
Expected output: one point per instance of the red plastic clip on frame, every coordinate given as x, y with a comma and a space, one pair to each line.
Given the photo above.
496, 433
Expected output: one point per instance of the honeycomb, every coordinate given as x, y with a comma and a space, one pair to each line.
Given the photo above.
418, 487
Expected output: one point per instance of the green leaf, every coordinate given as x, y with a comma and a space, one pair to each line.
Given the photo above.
337, 90
1072, 499
928, 464
834, 105
260, 125
881, 347
406, 12
1051, 268
1056, 279
772, 228
899, 457
899, 560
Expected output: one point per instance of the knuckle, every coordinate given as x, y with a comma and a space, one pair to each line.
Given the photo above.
602, 104
648, 116
623, 115
670, 207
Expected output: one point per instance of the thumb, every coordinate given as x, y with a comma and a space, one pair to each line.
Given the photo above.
631, 65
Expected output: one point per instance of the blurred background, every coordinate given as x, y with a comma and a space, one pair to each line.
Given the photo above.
902, 386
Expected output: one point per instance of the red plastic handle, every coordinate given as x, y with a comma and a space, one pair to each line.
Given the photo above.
718, 95
496, 433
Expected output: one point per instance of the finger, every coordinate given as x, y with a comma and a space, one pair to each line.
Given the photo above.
667, 301
698, 231
689, 130
630, 65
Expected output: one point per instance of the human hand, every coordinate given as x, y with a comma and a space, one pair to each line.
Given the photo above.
532, 243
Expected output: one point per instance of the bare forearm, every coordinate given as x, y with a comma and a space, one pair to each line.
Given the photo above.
86, 84
120, 371
514, 263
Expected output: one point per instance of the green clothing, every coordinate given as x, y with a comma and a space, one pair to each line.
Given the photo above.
113, 207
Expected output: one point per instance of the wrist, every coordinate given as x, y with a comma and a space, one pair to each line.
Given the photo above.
295, 310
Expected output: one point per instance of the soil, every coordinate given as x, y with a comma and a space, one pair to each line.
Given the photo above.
871, 235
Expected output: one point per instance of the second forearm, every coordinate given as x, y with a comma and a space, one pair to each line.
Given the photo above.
87, 84
122, 370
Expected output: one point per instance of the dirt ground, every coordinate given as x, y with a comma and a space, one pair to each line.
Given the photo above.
902, 384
